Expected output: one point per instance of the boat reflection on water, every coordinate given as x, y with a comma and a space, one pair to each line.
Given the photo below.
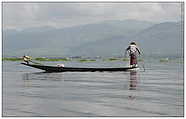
32, 76
42, 76
34, 79
133, 83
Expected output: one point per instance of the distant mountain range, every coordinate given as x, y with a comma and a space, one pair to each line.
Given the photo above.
161, 39
109, 38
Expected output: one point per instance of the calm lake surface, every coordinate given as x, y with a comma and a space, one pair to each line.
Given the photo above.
159, 91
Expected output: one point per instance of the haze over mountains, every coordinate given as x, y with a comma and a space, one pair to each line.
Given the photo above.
108, 38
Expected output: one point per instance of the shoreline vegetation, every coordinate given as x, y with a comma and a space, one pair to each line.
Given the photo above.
65, 59
88, 59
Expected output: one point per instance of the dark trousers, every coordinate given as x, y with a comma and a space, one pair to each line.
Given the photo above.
133, 59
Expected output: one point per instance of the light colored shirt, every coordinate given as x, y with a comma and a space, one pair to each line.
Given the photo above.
133, 49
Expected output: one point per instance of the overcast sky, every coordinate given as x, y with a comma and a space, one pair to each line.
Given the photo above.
25, 15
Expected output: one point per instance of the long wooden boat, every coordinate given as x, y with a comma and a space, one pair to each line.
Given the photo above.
77, 69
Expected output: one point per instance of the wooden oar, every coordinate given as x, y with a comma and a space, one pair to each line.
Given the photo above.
143, 65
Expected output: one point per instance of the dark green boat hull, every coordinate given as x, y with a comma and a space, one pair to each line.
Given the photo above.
73, 69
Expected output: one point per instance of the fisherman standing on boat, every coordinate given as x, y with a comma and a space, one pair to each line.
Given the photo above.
133, 50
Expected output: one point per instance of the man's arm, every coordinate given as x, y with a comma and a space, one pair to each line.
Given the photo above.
138, 50
126, 51
128, 48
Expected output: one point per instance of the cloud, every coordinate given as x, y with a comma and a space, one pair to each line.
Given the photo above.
25, 15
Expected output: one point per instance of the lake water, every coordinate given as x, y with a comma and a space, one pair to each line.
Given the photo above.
159, 91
